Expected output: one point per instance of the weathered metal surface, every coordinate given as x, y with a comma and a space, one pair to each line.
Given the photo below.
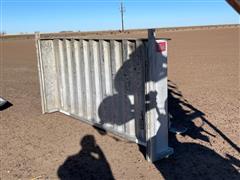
110, 84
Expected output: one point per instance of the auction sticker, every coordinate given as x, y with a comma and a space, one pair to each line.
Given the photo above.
161, 46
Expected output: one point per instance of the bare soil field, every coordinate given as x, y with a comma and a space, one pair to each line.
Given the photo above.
203, 87
131, 33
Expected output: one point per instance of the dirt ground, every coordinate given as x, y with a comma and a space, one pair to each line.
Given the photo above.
203, 87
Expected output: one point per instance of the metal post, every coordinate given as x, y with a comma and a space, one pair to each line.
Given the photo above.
156, 90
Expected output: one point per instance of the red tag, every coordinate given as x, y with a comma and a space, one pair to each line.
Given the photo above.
160, 46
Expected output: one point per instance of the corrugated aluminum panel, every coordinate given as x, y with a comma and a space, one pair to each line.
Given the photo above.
104, 82
100, 81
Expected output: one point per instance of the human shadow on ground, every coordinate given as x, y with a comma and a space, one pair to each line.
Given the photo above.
5, 106
89, 164
191, 160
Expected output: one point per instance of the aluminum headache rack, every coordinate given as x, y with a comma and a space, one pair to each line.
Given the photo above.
117, 84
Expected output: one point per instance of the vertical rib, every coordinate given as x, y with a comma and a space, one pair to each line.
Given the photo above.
83, 100
92, 81
88, 79
97, 78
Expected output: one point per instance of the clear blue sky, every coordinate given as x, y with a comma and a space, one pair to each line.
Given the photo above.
62, 15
